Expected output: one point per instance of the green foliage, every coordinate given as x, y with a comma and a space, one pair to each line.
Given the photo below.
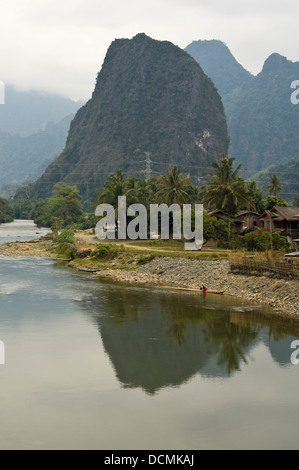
64, 251
88, 221
214, 229
67, 236
106, 252
236, 243
256, 197
288, 175
226, 189
272, 201
23, 209
145, 259
275, 186
296, 201
175, 188
66, 205
6, 212
115, 186
265, 241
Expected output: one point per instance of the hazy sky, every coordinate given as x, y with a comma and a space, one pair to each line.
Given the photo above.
59, 45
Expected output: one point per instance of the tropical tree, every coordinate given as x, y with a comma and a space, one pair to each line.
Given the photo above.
256, 197
66, 206
275, 186
296, 201
272, 201
115, 186
6, 213
214, 229
226, 190
137, 192
175, 188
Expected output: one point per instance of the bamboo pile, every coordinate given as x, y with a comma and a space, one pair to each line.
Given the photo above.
261, 265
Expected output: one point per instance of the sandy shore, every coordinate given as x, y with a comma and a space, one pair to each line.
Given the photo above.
280, 294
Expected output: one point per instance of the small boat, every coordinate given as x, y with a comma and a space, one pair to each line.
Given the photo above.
82, 270
200, 291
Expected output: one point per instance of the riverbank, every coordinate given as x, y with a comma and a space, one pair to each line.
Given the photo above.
33, 249
176, 273
281, 295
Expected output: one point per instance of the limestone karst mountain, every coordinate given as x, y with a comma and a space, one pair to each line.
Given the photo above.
152, 106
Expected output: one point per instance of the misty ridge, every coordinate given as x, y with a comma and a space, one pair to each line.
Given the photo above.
136, 119
33, 131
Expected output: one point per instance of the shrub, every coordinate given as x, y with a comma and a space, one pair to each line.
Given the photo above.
265, 241
145, 259
225, 245
107, 252
67, 236
65, 251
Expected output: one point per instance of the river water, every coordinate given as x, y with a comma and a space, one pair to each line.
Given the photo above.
21, 230
96, 365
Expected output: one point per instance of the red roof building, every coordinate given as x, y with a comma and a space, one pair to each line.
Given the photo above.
283, 219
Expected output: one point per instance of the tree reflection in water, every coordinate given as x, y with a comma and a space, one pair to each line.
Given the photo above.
157, 339
229, 341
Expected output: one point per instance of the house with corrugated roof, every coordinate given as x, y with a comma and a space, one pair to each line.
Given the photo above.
282, 219
249, 219
234, 221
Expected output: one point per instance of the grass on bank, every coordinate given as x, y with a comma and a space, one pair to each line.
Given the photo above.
121, 256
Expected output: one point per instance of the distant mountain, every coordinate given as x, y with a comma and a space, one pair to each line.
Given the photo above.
219, 64
262, 121
27, 112
26, 158
288, 173
152, 106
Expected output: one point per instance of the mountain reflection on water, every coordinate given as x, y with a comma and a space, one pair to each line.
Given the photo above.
157, 339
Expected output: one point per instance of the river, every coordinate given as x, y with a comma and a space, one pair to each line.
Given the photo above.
96, 365
21, 230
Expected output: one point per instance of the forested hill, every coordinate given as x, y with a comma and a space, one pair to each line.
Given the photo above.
219, 64
24, 159
288, 174
152, 106
263, 123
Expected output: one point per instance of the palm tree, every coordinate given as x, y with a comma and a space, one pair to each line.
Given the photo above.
226, 189
173, 188
115, 186
275, 186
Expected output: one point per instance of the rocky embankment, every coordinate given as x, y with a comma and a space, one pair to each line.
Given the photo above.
282, 295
